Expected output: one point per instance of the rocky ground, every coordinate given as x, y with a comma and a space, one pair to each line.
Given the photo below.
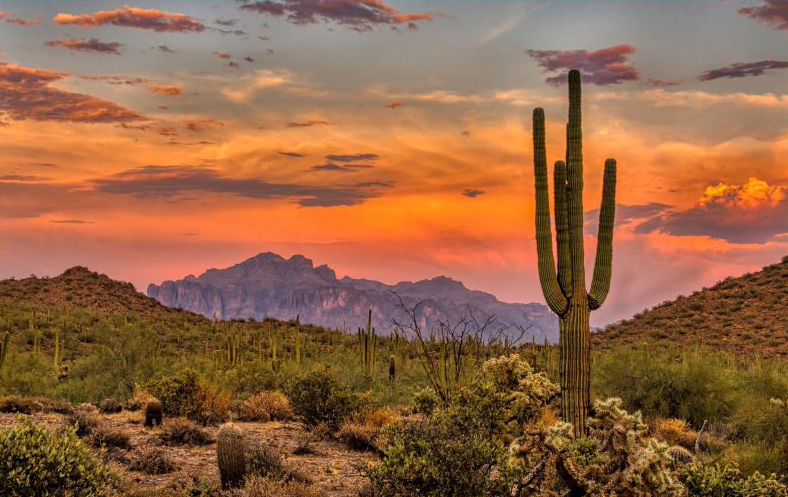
332, 467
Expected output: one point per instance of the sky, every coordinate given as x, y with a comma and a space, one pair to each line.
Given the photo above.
390, 140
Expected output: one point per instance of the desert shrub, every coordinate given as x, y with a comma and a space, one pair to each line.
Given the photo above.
361, 430
425, 401
318, 397
699, 387
186, 394
262, 487
264, 406
183, 484
83, 421
713, 481
109, 406
106, 436
38, 462
182, 432
19, 404
153, 461
265, 462
462, 449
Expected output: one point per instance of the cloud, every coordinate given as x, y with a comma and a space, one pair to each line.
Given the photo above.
394, 105
291, 154
203, 124
606, 66
168, 182
135, 17
351, 157
70, 221
750, 213
359, 15
114, 79
91, 45
693, 99
27, 178
164, 49
261, 80
169, 90
11, 18
625, 214
306, 124
771, 12
26, 94
472, 192
228, 23
224, 55
743, 69
345, 168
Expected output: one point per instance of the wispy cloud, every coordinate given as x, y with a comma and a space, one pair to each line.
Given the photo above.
134, 17
744, 69
90, 45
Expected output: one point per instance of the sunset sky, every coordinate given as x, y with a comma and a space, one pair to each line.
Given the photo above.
390, 140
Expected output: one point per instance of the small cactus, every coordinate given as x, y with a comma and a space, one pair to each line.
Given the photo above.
231, 455
680, 456
392, 368
153, 413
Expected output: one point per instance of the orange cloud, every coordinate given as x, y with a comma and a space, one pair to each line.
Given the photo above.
27, 94
169, 90
134, 17
203, 124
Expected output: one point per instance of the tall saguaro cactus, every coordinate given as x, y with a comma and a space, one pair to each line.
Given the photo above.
564, 288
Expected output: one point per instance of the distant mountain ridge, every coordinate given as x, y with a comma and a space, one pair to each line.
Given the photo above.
268, 285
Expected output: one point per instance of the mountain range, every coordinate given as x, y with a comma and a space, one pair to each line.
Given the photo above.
268, 285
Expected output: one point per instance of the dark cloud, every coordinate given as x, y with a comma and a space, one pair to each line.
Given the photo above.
228, 23
70, 221
235, 32
625, 214
25, 94
249, 59
224, 55
233, 64
743, 69
167, 131
606, 66
359, 15
771, 12
472, 192
164, 49
346, 168
11, 18
306, 124
291, 154
264, 38
749, 213
90, 45
135, 17
394, 105
169, 182
114, 79
661, 83
351, 157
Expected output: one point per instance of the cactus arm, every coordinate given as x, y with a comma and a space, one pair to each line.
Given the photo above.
544, 242
604, 248
562, 229
575, 185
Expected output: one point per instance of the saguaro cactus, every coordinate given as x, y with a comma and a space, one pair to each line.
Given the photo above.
367, 341
231, 456
565, 288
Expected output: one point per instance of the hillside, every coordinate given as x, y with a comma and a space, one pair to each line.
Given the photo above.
79, 287
745, 315
268, 285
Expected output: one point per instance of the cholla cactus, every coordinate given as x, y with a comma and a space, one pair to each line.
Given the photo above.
231, 456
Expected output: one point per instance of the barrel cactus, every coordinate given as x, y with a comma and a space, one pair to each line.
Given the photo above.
564, 288
231, 454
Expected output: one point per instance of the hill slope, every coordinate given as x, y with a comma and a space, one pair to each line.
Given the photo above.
269, 285
744, 315
79, 287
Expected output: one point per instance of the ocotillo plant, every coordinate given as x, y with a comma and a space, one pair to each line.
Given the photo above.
565, 288
367, 341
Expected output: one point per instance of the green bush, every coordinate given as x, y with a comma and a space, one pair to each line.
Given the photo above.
319, 398
37, 462
728, 481
179, 394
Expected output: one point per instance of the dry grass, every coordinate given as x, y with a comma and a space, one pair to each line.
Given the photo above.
107, 436
675, 432
362, 430
182, 432
268, 405
262, 487
153, 461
